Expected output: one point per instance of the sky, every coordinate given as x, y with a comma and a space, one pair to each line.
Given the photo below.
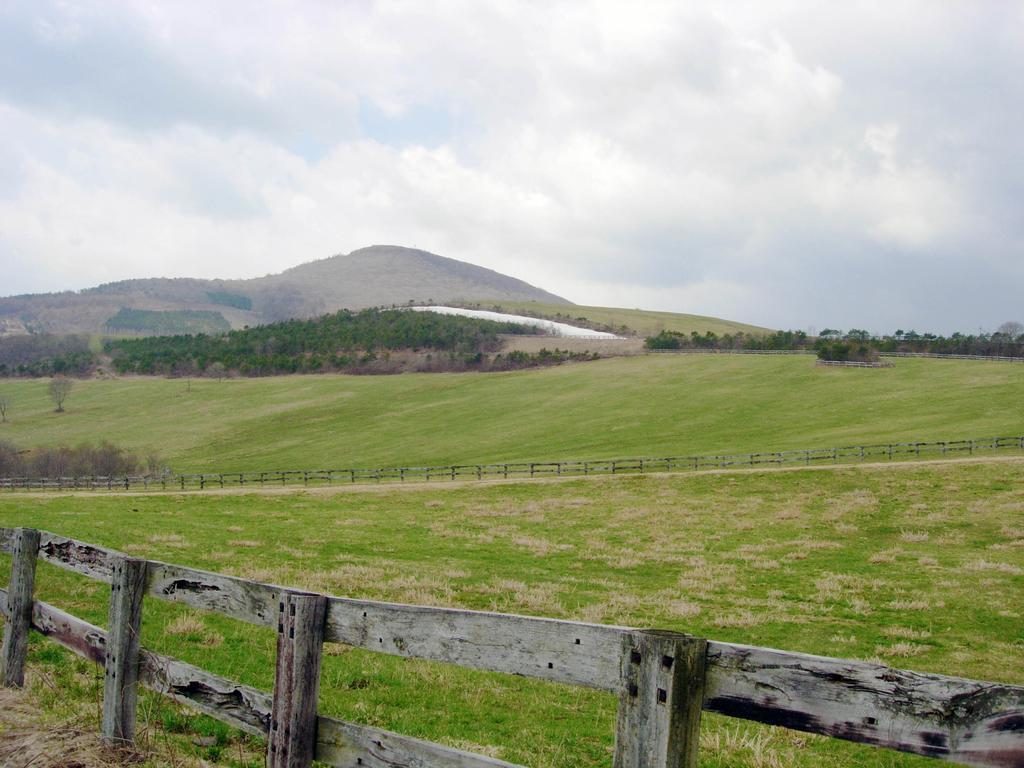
795, 165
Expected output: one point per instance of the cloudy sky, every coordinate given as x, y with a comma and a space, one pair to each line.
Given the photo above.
793, 165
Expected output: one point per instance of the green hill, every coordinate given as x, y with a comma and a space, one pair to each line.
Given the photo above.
645, 405
641, 322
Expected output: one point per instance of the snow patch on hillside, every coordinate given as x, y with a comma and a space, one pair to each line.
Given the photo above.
550, 326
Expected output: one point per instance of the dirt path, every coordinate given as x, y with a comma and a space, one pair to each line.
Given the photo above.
31, 737
387, 487
27, 739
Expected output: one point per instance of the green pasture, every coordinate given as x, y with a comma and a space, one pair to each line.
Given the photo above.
917, 566
650, 405
643, 322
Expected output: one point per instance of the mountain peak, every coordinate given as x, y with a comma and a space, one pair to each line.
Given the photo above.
378, 275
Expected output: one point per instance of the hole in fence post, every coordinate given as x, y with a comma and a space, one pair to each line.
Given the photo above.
660, 702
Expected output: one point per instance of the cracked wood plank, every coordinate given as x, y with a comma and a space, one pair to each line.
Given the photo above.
561, 651
241, 599
239, 705
964, 721
75, 634
6, 540
233, 703
347, 745
72, 555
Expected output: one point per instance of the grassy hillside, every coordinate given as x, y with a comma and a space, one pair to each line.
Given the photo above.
641, 321
646, 405
870, 563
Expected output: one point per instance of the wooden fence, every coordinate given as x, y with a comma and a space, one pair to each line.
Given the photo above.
932, 355
663, 679
854, 363
307, 477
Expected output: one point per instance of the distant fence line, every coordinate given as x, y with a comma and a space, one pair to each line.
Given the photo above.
506, 470
853, 363
933, 355
711, 351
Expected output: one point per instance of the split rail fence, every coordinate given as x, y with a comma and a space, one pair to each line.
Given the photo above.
853, 363
201, 481
932, 355
663, 679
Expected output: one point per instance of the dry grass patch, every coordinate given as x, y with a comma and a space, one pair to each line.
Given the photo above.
186, 624
885, 556
540, 547
902, 650
742, 618
907, 633
997, 567
511, 595
909, 605
843, 639
914, 537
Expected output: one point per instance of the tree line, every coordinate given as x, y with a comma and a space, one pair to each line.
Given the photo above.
43, 354
85, 460
855, 343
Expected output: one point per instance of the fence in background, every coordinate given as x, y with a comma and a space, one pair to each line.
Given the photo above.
308, 477
853, 364
933, 355
663, 679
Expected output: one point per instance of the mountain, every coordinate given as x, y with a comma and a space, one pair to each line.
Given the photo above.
381, 275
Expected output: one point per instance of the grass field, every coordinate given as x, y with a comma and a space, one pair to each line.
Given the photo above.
641, 321
920, 567
637, 406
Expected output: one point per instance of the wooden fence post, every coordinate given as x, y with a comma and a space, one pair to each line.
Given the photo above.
121, 663
660, 701
19, 606
300, 640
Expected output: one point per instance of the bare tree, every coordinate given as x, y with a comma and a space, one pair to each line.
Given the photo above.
60, 388
1012, 328
5, 403
217, 369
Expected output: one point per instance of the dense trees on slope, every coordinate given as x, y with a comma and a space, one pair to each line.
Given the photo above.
332, 342
145, 321
44, 354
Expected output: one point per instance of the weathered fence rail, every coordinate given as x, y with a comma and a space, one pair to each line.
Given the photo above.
524, 469
663, 679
